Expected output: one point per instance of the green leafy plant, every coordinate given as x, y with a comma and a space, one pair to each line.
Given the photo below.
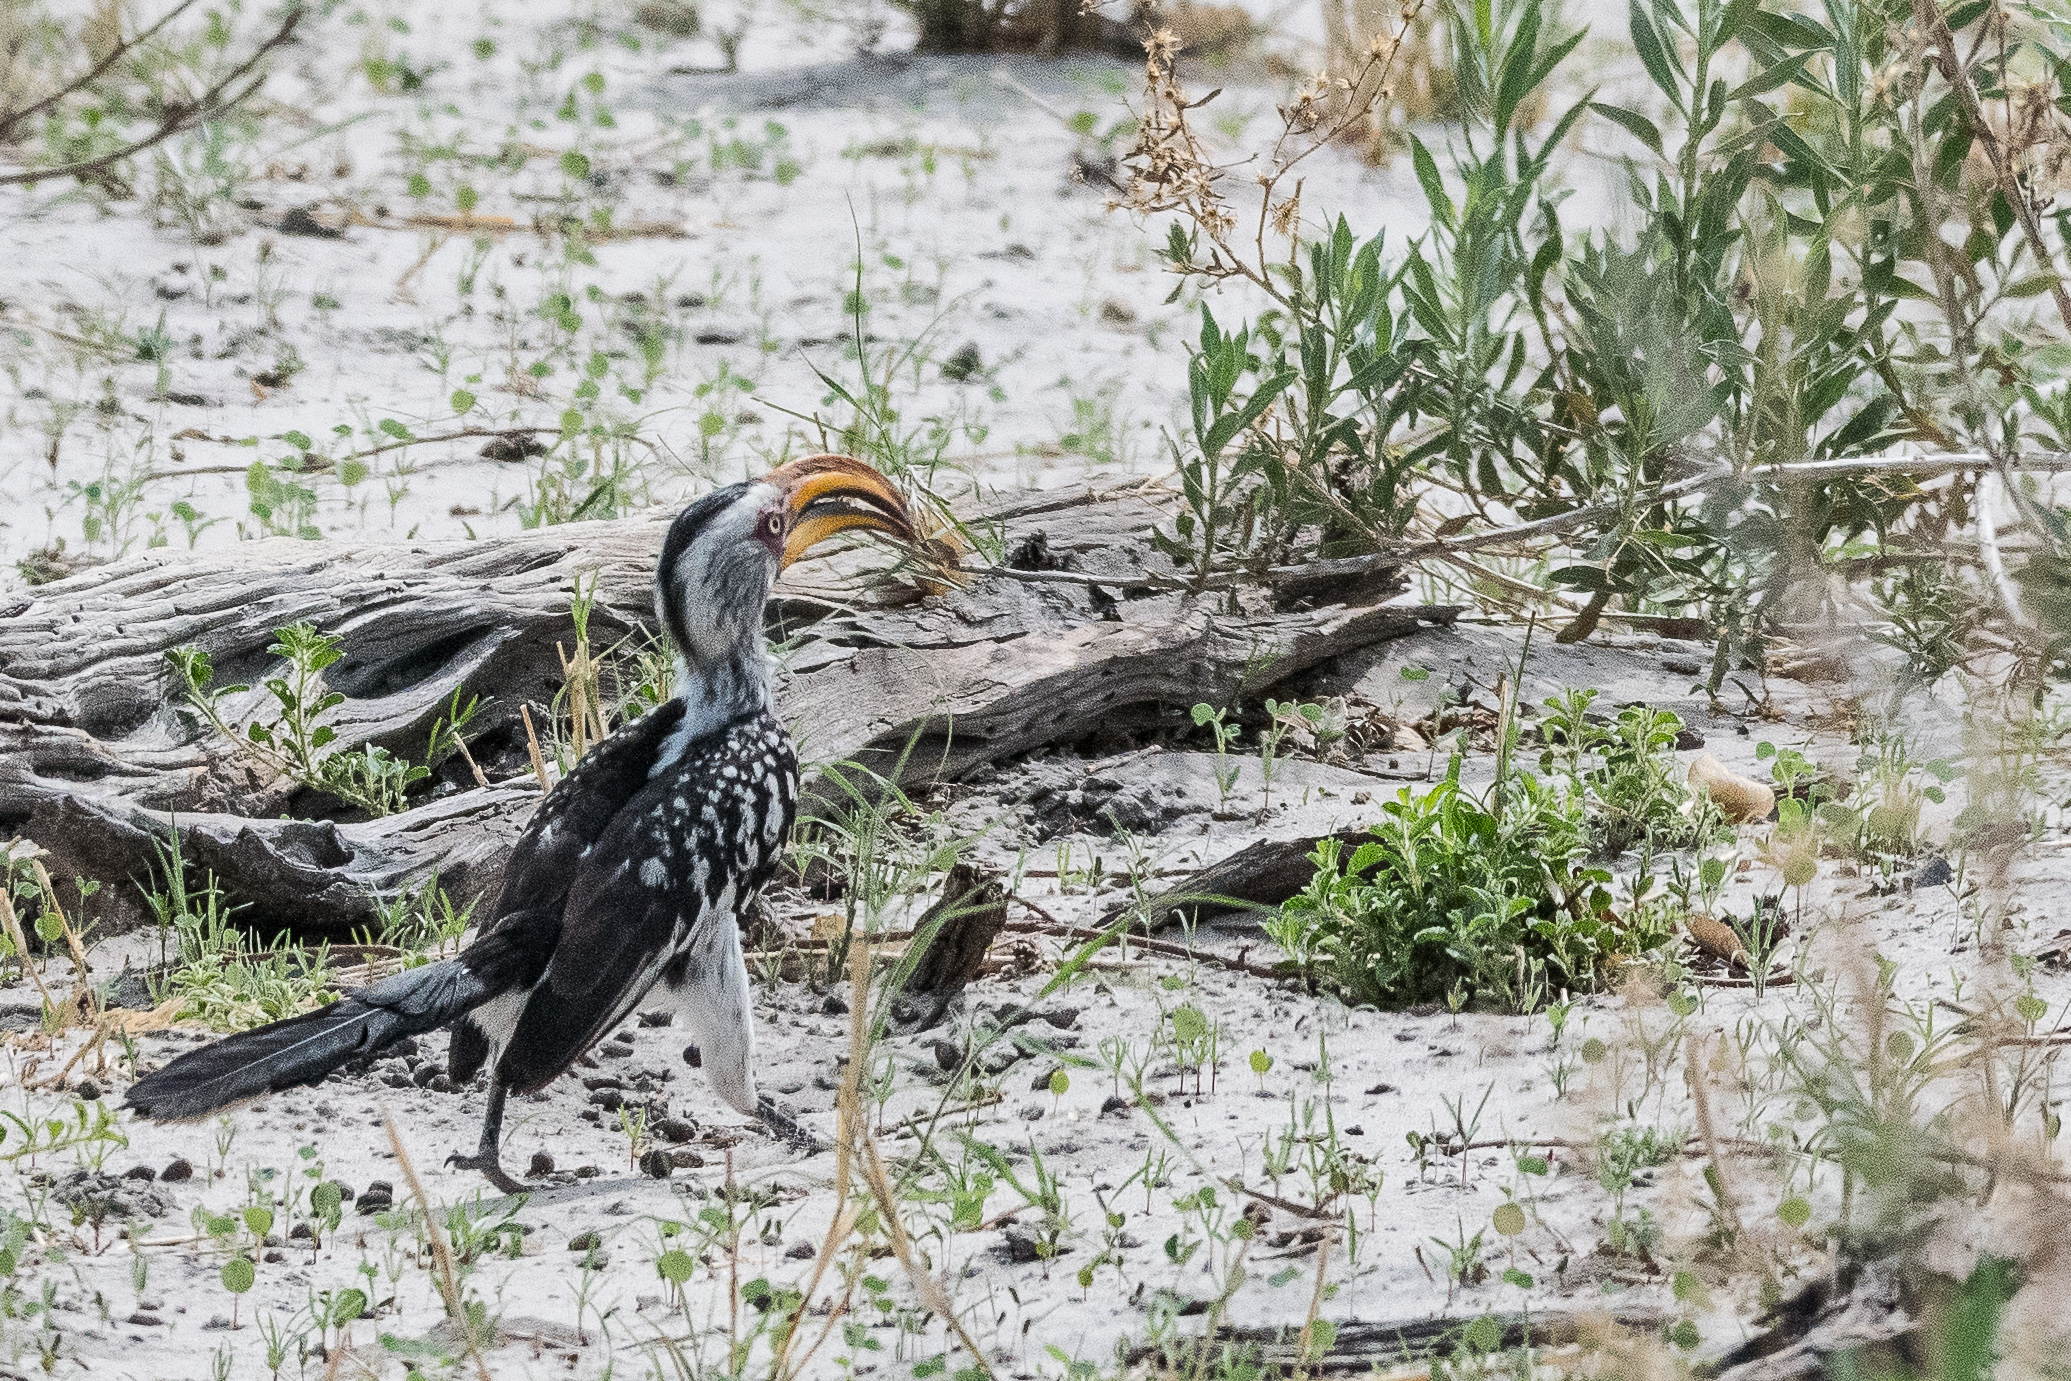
1447, 896
1218, 723
295, 741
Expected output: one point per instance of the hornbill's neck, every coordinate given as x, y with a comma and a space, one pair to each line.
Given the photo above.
710, 589
715, 693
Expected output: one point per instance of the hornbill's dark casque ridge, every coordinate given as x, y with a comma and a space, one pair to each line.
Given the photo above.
635, 871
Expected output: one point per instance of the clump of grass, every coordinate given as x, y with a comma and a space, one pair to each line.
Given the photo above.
210, 966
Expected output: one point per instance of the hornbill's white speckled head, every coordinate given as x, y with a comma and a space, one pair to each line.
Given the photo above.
725, 550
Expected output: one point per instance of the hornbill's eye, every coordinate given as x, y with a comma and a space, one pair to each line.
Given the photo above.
773, 524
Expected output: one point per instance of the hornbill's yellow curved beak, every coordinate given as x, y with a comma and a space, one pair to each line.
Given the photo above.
831, 494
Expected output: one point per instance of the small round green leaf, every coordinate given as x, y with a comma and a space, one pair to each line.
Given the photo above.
674, 1266
1059, 1082
1795, 1211
239, 1274
1188, 1024
347, 1305
1508, 1219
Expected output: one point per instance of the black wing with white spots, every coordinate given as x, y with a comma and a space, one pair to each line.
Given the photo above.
689, 850
543, 862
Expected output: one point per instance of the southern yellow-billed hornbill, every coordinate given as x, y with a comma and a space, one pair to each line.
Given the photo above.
636, 869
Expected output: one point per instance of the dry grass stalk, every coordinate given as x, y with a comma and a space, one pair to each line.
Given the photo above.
82, 991
445, 1278
582, 675
539, 762
848, 1106
13, 926
1323, 1251
932, 1296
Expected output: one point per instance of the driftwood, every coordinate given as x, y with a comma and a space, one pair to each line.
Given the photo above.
1361, 1347
1257, 876
99, 758
958, 929
964, 921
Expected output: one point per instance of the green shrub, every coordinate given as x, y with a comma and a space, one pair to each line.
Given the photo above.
1627, 772
1452, 899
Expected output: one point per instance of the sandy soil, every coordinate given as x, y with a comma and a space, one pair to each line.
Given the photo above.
1378, 1077
954, 180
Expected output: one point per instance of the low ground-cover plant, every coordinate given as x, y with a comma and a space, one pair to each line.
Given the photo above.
1502, 897
294, 741
217, 973
1626, 771
1455, 897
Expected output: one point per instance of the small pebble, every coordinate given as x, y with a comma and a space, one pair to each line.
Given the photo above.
89, 1090
542, 1164
140, 1172
801, 1251
179, 1170
834, 1006
656, 1164
585, 1241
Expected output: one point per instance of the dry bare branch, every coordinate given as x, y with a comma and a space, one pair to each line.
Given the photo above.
215, 101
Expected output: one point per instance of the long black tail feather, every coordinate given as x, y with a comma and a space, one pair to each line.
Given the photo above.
303, 1049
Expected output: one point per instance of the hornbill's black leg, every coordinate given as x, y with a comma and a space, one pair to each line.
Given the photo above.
485, 1158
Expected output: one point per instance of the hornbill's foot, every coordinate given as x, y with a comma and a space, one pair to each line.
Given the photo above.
783, 1124
492, 1171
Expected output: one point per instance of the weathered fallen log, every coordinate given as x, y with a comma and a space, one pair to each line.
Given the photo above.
99, 757
1362, 1347
1263, 874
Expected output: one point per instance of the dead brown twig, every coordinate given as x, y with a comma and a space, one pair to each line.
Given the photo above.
1062, 930
1958, 77
12, 119
177, 116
